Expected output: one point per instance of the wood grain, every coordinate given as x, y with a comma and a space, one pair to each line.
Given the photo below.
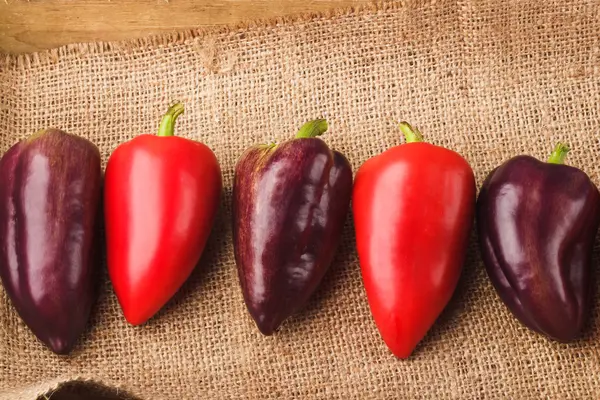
28, 26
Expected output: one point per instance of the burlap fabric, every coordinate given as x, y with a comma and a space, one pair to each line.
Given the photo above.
488, 79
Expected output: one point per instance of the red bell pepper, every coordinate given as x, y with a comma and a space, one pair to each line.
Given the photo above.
413, 211
160, 199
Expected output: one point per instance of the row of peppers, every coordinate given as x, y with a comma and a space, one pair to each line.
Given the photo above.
413, 209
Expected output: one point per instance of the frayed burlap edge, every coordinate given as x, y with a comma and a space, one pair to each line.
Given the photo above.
22, 61
70, 389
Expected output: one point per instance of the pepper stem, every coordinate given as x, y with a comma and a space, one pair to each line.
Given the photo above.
167, 123
312, 129
412, 135
559, 154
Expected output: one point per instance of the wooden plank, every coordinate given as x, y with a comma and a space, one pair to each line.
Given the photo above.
28, 26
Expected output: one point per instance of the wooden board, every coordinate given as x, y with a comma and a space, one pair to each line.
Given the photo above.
27, 26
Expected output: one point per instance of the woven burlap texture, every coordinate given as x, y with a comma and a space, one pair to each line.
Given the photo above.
488, 79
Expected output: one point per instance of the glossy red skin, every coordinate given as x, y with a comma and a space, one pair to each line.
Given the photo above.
413, 211
161, 197
50, 191
290, 203
537, 223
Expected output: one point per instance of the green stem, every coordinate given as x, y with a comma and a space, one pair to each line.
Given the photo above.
559, 154
412, 135
167, 123
312, 129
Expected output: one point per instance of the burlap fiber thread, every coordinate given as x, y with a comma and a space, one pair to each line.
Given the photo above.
488, 79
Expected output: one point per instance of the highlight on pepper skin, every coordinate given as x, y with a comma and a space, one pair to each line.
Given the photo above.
290, 203
50, 197
537, 223
160, 199
413, 208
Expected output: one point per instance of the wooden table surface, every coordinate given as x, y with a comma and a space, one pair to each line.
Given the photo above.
28, 26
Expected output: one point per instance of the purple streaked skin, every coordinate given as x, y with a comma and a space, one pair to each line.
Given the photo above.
290, 202
49, 200
537, 223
